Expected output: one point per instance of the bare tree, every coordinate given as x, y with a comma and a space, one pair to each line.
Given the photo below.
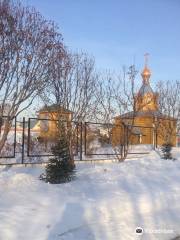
27, 41
169, 106
104, 94
71, 88
116, 95
72, 85
126, 102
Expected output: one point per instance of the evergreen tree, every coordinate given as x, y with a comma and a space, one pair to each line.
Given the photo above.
60, 168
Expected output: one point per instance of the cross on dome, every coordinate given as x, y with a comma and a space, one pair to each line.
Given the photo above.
146, 55
146, 73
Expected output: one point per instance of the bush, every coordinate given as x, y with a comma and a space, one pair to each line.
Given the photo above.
166, 150
60, 168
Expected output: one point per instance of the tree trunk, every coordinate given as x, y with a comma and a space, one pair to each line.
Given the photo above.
3, 139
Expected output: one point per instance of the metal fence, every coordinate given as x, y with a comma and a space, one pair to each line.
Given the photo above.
31, 140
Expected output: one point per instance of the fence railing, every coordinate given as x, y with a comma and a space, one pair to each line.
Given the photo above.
31, 140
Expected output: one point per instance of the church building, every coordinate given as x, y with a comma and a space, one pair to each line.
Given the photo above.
145, 124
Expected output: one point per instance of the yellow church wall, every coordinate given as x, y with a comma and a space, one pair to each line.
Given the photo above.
146, 126
118, 134
166, 131
49, 124
141, 122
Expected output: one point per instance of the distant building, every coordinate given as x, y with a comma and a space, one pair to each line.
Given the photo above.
48, 118
146, 119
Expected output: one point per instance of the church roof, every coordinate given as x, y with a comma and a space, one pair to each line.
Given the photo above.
145, 88
54, 108
133, 114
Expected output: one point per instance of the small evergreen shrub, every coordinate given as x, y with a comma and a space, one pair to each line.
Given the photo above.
60, 168
166, 150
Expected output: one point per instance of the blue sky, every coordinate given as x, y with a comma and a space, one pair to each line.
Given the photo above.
118, 33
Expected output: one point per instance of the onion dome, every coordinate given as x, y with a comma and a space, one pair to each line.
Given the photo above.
146, 74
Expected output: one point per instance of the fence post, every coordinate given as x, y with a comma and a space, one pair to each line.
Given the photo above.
77, 138
23, 135
85, 132
81, 142
156, 138
127, 136
15, 129
125, 140
28, 138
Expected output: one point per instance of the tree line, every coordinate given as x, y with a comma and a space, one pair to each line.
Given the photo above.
35, 62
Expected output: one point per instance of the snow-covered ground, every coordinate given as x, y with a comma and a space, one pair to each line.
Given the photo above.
107, 201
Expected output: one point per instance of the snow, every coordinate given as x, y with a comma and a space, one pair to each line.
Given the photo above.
107, 201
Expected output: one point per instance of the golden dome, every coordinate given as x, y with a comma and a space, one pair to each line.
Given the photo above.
146, 73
